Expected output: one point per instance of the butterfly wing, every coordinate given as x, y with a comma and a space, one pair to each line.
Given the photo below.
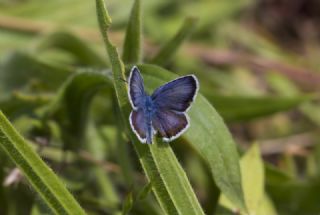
136, 89
171, 101
170, 124
139, 124
176, 95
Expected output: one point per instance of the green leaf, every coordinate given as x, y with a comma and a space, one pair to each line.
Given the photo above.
13, 73
127, 205
252, 173
283, 86
18, 103
96, 147
248, 108
39, 207
145, 191
122, 149
296, 196
19, 200
40, 176
266, 207
75, 46
72, 111
171, 47
171, 185
292, 196
274, 175
132, 42
208, 135
3, 197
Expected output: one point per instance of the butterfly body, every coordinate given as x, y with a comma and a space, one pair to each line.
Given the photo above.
149, 110
164, 111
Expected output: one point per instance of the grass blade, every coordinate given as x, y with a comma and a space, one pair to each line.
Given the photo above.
122, 149
19, 103
41, 177
169, 49
13, 73
252, 107
71, 111
96, 148
75, 46
132, 42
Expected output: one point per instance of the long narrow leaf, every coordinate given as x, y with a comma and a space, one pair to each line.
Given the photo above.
170, 48
253, 107
132, 42
71, 111
41, 177
95, 146
75, 46
13, 73
18, 103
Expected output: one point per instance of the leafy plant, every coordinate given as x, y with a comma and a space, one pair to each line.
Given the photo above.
65, 109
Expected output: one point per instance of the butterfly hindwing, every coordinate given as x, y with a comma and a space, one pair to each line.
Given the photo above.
176, 95
172, 100
136, 89
170, 124
139, 124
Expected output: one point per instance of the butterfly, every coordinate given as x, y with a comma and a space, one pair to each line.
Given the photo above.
164, 112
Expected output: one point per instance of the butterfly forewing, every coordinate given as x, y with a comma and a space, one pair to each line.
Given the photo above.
176, 95
136, 88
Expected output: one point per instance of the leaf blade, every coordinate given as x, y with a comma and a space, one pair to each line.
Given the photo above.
41, 177
70, 111
166, 53
252, 107
132, 43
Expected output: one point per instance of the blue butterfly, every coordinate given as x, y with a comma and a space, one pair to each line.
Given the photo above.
163, 112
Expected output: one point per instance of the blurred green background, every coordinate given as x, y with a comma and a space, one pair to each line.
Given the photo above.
257, 62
